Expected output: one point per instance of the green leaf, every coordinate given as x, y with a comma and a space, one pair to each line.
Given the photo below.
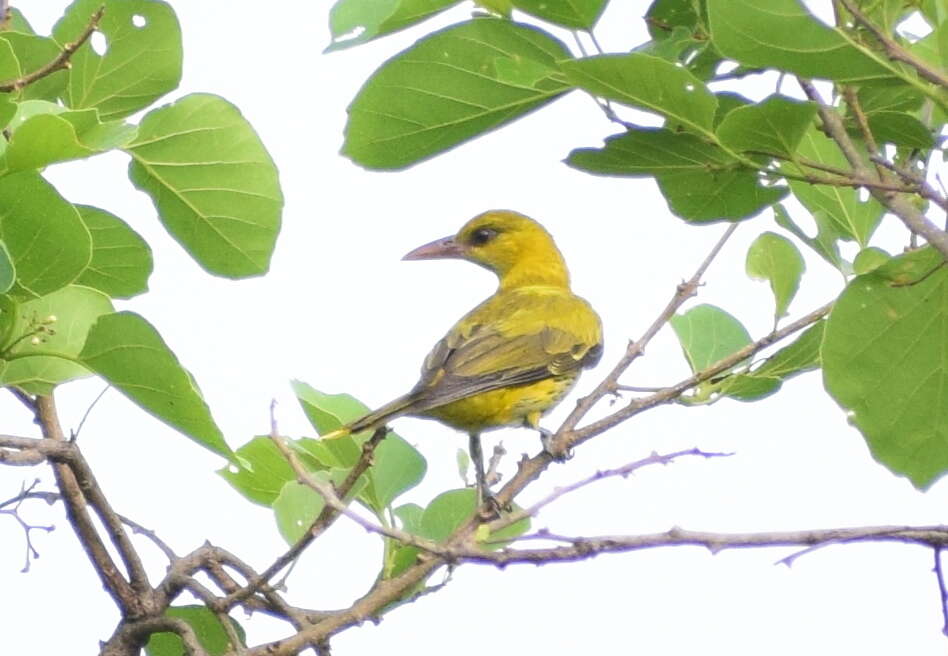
901, 129
728, 101
140, 64
889, 98
933, 49
826, 241
259, 471
575, 14
703, 197
799, 357
651, 151
782, 34
129, 353
775, 125
663, 16
708, 334
885, 360
9, 64
451, 87
212, 181
647, 83
869, 259
297, 507
775, 259
121, 259
32, 53
853, 218
397, 467
447, 512
353, 22
47, 138
210, 633
49, 244
48, 334
7, 269
911, 267
327, 412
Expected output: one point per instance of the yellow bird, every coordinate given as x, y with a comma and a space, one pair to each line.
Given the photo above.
513, 357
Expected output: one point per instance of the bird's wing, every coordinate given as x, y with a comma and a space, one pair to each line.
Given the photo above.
483, 358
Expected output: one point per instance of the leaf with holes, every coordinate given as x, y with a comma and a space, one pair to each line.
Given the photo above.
213, 182
141, 62
259, 472
352, 22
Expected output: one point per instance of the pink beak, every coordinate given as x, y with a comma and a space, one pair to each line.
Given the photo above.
436, 250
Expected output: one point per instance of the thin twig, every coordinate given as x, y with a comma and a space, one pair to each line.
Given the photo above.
74, 435
942, 591
60, 62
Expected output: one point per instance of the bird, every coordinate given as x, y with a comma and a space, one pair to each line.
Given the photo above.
516, 355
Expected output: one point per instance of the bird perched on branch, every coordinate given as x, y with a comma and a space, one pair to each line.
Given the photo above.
513, 357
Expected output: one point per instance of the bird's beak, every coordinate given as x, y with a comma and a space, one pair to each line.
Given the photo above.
436, 250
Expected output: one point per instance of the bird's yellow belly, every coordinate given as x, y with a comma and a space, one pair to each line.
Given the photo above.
507, 406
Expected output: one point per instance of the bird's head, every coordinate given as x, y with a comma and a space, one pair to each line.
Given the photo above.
515, 247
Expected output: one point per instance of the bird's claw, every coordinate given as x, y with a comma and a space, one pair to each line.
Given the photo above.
546, 439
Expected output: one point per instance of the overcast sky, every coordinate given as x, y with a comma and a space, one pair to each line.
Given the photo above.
340, 311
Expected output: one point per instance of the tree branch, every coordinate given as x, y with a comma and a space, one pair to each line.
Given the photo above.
131, 636
60, 62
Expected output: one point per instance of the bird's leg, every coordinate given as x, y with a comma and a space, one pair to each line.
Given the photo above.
546, 439
483, 492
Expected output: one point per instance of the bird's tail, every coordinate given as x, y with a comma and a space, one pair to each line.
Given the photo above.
374, 419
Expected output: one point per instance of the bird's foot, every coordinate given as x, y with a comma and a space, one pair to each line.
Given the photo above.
546, 439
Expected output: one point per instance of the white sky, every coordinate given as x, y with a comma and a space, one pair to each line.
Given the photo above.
342, 312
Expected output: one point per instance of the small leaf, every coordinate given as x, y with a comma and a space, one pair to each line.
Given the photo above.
212, 181
45, 139
901, 129
775, 259
782, 34
259, 471
707, 334
575, 14
297, 507
397, 467
885, 360
49, 244
32, 53
447, 512
853, 218
704, 197
59, 322
869, 259
464, 464
647, 83
207, 627
825, 242
327, 412
129, 353
775, 125
353, 22
651, 151
142, 61
121, 259
447, 88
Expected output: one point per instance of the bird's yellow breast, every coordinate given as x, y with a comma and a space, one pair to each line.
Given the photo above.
508, 406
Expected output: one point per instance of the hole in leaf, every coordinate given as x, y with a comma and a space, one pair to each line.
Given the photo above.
354, 33
99, 43
139, 21
689, 87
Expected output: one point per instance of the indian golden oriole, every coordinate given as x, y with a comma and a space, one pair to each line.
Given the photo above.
513, 357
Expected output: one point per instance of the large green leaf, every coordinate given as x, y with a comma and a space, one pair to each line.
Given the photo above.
7, 269
296, 507
46, 239
48, 334
708, 334
775, 259
775, 125
213, 182
259, 472
648, 83
885, 360
782, 34
651, 151
901, 129
575, 14
352, 22
449, 87
703, 196
142, 61
853, 218
129, 353
207, 627
44, 139
121, 259
396, 468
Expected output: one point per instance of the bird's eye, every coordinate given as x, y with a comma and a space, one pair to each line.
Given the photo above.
482, 235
